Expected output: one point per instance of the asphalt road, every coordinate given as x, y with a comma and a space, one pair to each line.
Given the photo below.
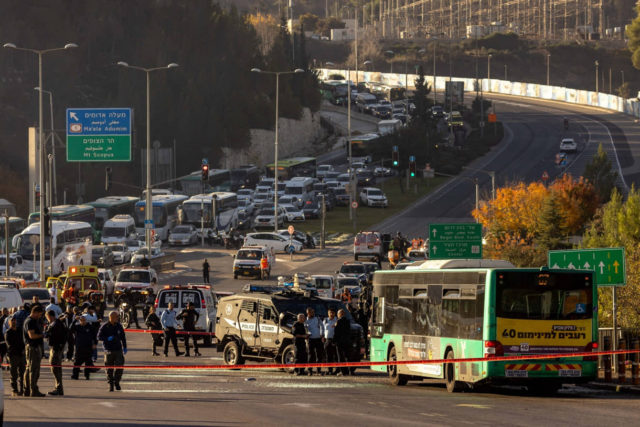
532, 137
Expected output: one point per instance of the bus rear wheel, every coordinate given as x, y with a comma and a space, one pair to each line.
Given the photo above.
450, 374
394, 377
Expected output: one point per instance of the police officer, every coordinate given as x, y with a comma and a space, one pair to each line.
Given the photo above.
342, 336
114, 342
33, 338
15, 350
85, 343
300, 335
315, 328
189, 318
169, 325
56, 334
329, 326
153, 323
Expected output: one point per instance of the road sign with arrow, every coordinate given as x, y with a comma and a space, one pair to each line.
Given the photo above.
607, 263
449, 241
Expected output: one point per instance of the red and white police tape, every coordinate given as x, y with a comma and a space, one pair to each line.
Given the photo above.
178, 332
353, 364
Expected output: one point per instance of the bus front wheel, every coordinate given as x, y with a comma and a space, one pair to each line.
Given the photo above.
450, 374
394, 377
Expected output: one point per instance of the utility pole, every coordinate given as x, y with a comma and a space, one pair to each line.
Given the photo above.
7, 253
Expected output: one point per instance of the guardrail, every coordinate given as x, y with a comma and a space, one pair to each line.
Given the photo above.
530, 90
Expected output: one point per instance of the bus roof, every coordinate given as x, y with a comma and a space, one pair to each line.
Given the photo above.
11, 219
441, 264
209, 196
292, 161
164, 199
56, 226
105, 202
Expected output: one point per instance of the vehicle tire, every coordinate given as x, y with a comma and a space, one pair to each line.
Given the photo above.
394, 377
206, 341
125, 319
450, 374
286, 249
231, 354
289, 357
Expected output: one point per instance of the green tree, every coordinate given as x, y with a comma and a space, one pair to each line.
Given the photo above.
549, 231
420, 113
618, 225
633, 34
601, 175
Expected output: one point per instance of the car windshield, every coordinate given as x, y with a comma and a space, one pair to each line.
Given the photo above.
114, 232
375, 193
117, 248
181, 230
134, 276
352, 269
291, 209
347, 282
323, 283
245, 192
265, 212
249, 255
97, 251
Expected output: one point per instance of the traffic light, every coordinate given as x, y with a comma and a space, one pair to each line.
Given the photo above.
395, 156
107, 178
46, 223
412, 166
205, 172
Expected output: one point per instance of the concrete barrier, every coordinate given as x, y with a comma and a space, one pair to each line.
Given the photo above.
529, 90
163, 263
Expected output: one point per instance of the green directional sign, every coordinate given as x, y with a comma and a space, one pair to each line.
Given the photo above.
98, 134
607, 263
450, 241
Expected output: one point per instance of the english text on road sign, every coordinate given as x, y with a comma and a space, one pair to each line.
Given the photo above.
98, 134
607, 263
448, 241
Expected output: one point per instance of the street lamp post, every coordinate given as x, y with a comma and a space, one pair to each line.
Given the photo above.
53, 193
505, 72
548, 61
41, 160
597, 73
275, 162
390, 54
148, 209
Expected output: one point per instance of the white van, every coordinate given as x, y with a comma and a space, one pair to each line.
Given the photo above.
300, 187
387, 127
9, 295
118, 229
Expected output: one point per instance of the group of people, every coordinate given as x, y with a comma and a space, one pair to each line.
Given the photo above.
318, 341
168, 323
78, 329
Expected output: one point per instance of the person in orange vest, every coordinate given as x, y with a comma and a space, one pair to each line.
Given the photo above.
69, 295
346, 296
264, 267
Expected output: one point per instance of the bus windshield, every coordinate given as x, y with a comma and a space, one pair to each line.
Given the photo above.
114, 232
541, 295
26, 248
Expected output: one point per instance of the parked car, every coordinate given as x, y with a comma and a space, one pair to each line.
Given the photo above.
289, 199
371, 196
272, 241
156, 252
321, 170
307, 240
365, 177
312, 209
121, 253
265, 217
185, 234
342, 197
102, 256
29, 278
27, 294
382, 171
293, 213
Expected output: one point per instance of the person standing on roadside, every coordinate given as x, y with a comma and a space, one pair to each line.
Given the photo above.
33, 339
300, 335
153, 323
56, 334
315, 329
69, 320
169, 325
329, 326
205, 271
53, 306
189, 318
342, 336
85, 344
114, 342
15, 350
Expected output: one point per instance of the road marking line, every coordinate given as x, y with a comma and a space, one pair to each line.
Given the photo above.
473, 405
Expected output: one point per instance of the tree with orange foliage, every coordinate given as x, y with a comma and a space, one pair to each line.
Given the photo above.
526, 220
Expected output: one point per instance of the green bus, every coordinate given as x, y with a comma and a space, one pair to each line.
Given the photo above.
219, 180
295, 166
110, 206
448, 309
334, 91
83, 213
16, 225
